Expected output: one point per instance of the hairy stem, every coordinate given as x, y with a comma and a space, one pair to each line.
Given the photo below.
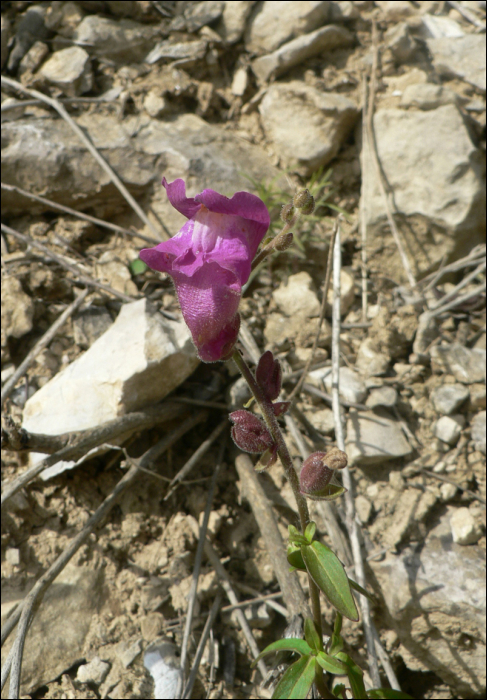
286, 460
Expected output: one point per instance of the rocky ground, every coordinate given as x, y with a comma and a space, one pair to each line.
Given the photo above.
378, 107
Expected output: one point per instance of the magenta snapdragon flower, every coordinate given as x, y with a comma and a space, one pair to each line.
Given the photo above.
209, 260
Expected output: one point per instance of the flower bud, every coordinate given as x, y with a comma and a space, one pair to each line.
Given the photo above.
287, 212
267, 459
269, 375
336, 459
249, 432
283, 241
304, 200
315, 475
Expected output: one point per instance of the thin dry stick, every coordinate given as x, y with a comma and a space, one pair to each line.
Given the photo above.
363, 201
40, 345
25, 611
197, 567
254, 493
231, 595
86, 217
297, 389
88, 439
192, 461
268, 599
375, 159
347, 480
80, 133
69, 266
475, 256
463, 283
210, 621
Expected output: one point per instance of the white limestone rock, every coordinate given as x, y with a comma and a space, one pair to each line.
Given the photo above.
464, 528
374, 437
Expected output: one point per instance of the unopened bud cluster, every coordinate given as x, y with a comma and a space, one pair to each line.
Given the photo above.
304, 200
249, 432
317, 472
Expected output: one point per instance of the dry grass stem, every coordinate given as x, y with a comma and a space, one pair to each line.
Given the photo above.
9, 385
86, 141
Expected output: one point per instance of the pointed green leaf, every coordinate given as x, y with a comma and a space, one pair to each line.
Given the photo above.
292, 644
328, 573
355, 676
361, 590
328, 493
309, 533
336, 644
312, 636
388, 693
295, 537
331, 665
295, 558
297, 680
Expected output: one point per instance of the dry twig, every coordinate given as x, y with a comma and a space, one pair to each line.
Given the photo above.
86, 279
9, 385
86, 141
79, 215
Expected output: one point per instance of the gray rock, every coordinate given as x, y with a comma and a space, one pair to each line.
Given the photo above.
137, 362
428, 96
370, 362
460, 57
464, 529
74, 598
328, 117
39, 151
478, 431
199, 14
383, 396
374, 437
30, 28
33, 59
95, 671
434, 170
240, 81
477, 397
437, 26
395, 9
298, 50
439, 594
17, 310
449, 397
280, 331
364, 508
274, 23
69, 70
155, 104
400, 42
351, 386
122, 40
162, 662
296, 296
449, 428
322, 419
127, 652
448, 492
466, 365
232, 24
170, 51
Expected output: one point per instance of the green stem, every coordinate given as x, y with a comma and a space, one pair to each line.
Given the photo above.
287, 462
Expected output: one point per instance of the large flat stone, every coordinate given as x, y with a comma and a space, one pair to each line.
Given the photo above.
436, 175
135, 363
374, 437
460, 57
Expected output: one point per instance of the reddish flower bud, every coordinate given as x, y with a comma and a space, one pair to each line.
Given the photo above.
268, 375
280, 407
287, 212
316, 475
249, 432
267, 459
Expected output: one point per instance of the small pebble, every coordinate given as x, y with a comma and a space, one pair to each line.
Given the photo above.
463, 527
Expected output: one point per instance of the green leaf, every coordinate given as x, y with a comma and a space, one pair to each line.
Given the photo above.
328, 493
339, 690
291, 644
297, 680
331, 665
309, 533
328, 573
336, 644
295, 558
312, 636
295, 536
388, 693
355, 676
361, 590
137, 266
